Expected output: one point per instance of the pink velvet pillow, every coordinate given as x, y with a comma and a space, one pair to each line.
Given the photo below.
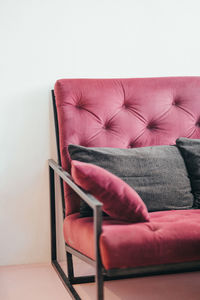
119, 200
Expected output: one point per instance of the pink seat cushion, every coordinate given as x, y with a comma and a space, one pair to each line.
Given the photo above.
169, 237
119, 200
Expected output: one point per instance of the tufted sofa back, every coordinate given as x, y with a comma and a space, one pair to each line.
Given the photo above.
125, 113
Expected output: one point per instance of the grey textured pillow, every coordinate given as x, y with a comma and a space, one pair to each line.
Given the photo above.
190, 150
158, 173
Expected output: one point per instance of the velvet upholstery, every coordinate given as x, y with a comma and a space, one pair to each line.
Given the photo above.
169, 237
119, 200
125, 113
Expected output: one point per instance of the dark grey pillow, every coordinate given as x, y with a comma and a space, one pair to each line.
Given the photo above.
157, 173
190, 150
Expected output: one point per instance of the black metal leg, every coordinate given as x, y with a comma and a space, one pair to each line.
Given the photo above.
53, 214
98, 275
99, 283
70, 267
54, 261
69, 280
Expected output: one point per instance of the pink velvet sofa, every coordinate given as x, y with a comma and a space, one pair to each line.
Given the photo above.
96, 113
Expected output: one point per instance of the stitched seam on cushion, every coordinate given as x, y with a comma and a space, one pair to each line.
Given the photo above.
111, 131
83, 108
137, 114
135, 140
164, 114
187, 112
123, 90
194, 129
98, 119
114, 115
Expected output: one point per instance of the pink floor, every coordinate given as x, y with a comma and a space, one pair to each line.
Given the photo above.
40, 282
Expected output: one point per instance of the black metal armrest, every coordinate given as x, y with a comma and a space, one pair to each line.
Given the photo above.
88, 198
97, 210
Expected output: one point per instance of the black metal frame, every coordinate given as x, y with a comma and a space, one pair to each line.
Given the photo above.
101, 274
96, 206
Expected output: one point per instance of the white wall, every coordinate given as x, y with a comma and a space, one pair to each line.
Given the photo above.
43, 40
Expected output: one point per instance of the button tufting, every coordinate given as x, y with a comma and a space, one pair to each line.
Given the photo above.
176, 102
79, 104
131, 145
151, 126
126, 105
106, 126
198, 123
